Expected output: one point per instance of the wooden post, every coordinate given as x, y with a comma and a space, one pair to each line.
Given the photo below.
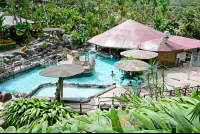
80, 108
59, 88
96, 47
109, 51
190, 66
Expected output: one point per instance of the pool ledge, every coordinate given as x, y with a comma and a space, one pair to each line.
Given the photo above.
107, 87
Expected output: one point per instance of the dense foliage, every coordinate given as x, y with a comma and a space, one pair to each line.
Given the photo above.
6, 46
20, 112
167, 115
83, 19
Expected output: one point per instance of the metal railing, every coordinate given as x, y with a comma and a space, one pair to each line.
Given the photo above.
183, 91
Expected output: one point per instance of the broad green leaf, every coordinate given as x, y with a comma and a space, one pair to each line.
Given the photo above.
116, 126
83, 119
183, 123
94, 128
1, 130
10, 129
37, 129
44, 126
56, 130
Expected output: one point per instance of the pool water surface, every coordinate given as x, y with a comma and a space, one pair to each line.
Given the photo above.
101, 75
69, 91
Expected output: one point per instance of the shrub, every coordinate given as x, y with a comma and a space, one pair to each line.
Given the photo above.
2, 70
8, 45
45, 45
77, 56
20, 112
63, 54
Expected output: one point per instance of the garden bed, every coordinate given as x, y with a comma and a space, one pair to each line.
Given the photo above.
8, 45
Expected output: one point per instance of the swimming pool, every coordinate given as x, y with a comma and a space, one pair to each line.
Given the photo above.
101, 75
69, 91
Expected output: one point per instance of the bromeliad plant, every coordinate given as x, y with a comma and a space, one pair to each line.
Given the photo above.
22, 112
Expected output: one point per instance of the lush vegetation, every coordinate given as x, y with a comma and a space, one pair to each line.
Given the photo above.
21, 112
7, 46
167, 115
85, 19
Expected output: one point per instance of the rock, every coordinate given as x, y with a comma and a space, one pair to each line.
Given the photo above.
28, 52
35, 46
45, 50
15, 94
48, 49
23, 94
16, 53
49, 45
60, 47
48, 53
41, 54
62, 43
5, 96
54, 46
24, 55
10, 56
65, 37
41, 46
17, 58
66, 42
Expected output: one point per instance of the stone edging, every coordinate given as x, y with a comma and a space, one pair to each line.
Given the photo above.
108, 87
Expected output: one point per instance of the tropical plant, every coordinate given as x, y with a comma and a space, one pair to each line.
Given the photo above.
22, 112
167, 115
23, 29
63, 54
77, 56
45, 45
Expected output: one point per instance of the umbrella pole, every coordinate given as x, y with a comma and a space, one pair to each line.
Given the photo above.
59, 88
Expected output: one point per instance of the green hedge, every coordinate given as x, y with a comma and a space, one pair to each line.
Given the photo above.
8, 45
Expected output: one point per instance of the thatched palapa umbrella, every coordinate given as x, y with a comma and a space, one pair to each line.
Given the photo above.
131, 65
61, 71
139, 54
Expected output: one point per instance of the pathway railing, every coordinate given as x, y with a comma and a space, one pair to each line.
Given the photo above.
183, 91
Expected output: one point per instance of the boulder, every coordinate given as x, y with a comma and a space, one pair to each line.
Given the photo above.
66, 42
48, 53
35, 46
54, 46
15, 94
60, 47
65, 37
41, 46
62, 43
5, 96
24, 55
44, 50
41, 54
16, 53
23, 94
10, 56
29, 52
17, 58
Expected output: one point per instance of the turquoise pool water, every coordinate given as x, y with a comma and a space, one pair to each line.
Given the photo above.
69, 91
101, 75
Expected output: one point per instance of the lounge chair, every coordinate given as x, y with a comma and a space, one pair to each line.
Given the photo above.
117, 94
174, 85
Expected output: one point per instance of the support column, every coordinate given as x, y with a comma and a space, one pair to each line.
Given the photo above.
109, 51
96, 47
190, 67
